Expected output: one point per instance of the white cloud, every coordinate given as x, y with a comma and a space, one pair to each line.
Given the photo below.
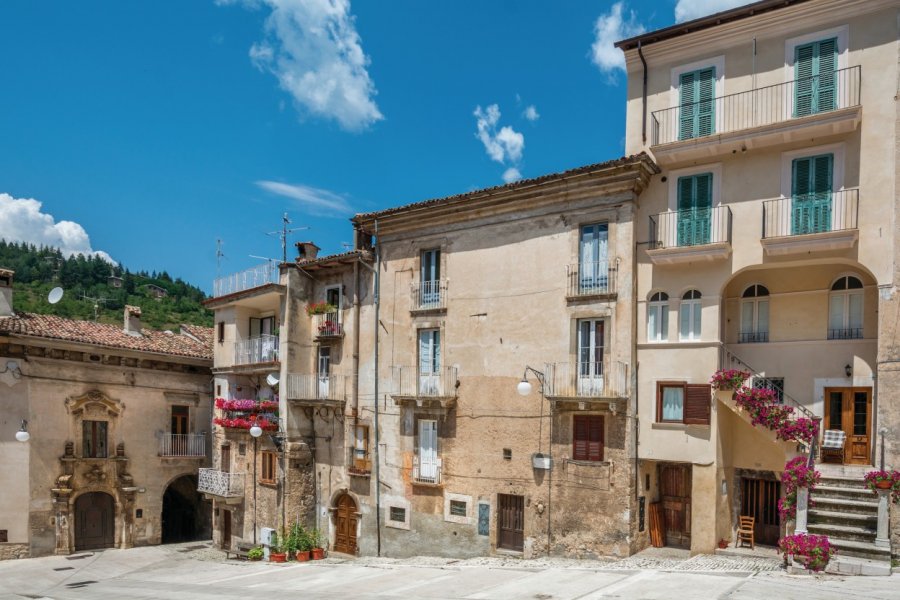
313, 49
21, 220
686, 10
531, 113
317, 201
609, 29
505, 145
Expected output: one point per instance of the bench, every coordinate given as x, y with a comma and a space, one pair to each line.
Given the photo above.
240, 550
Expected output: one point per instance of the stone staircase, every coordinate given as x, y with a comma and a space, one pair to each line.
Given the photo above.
844, 509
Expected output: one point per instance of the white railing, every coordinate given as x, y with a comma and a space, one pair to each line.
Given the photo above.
302, 386
182, 444
262, 349
427, 471
418, 382
246, 280
221, 483
428, 295
589, 278
587, 380
328, 325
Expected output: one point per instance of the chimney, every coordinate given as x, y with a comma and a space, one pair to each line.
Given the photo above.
132, 320
306, 251
6, 292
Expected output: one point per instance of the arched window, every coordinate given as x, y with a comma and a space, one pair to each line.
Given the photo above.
845, 309
689, 316
658, 317
755, 314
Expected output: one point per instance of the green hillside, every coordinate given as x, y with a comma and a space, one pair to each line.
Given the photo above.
39, 269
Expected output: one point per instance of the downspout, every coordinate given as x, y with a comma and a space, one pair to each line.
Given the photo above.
644, 96
356, 322
376, 452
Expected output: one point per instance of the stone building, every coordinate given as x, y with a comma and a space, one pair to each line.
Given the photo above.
768, 244
118, 421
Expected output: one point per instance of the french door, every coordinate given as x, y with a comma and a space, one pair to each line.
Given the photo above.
428, 455
429, 362
430, 277
323, 372
590, 357
759, 499
593, 269
850, 410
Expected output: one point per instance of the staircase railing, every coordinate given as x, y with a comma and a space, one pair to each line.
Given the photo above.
727, 355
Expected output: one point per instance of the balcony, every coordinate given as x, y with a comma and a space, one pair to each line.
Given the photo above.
328, 326
428, 295
427, 472
189, 445
753, 337
425, 388
768, 116
221, 484
582, 382
248, 279
811, 223
845, 333
587, 279
358, 462
693, 235
318, 389
256, 350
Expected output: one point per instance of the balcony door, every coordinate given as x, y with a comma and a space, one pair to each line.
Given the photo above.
815, 72
429, 362
694, 209
850, 410
590, 357
179, 429
697, 106
593, 271
263, 330
323, 372
430, 277
428, 455
811, 194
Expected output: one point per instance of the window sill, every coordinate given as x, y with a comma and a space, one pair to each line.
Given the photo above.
677, 426
268, 483
589, 463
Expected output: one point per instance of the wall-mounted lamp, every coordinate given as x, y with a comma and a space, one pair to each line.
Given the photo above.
22, 434
848, 370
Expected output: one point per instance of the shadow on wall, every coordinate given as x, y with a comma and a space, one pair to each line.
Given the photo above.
186, 517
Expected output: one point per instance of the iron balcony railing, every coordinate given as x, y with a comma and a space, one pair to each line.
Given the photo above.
427, 469
590, 278
594, 379
221, 483
262, 349
690, 227
301, 386
438, 382
819, 212
358, 462
327, 325
429, 295
845, 333
753, 337
729, 360
755, 108
246, 280
182, 444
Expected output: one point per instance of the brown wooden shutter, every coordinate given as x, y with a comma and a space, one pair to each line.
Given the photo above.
587, 437
697, 401
595, 444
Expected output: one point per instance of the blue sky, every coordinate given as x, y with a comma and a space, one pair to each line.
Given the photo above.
148, 130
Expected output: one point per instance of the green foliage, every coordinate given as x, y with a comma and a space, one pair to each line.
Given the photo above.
40, 269
255, 553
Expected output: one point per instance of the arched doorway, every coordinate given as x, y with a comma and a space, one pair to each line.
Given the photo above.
185, 516
94, 521
346, 516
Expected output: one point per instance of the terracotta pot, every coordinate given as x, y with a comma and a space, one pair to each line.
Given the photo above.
277, 557
884, 484
302, 555
318, 553
723, 544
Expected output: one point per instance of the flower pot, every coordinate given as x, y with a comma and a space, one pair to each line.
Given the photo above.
318, 553
884, 484
302, 555
278, 557
723, 544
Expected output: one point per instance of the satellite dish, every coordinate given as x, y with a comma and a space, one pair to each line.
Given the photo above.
272, 379
55, 295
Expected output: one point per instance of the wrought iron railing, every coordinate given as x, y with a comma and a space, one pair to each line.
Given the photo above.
428, 295
753, 337
302, 386
755, 108
595, 379
427, 469
440, 382
221, 483
182, 444
691, 227
728, 360
591, 278
811, 213
246, 280
845, 333
327, 325
262, 349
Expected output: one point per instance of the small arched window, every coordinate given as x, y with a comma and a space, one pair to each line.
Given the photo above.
658, 317
845, 309
689, 316
755, 314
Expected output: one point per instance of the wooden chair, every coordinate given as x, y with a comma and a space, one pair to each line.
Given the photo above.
833, 444
745, 532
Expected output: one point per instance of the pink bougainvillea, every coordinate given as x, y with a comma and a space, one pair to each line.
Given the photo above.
796, 475
873, 478
812, 551
245, 423
728, 379
763, 407
247, 405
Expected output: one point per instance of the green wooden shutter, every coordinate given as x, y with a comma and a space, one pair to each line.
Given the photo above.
697, 103
826, 96
811, 194
803, 85
694, 209
687, 120
815, 68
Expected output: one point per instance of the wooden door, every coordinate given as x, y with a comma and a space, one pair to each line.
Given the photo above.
225, 467
226, 529
675, 492
850, 410
345, 525
759, 499
94, 521
511, 522
179, 430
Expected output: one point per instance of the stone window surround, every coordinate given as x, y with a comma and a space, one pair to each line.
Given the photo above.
842, 33
397, 503
451, 518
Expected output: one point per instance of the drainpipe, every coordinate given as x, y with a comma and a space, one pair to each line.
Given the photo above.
376, 452
355, 361
644, 97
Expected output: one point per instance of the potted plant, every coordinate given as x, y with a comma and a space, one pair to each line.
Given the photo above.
729, 379
302, 544
317, 542
320, 308
812, 551
276, 548
255, 553
723, 543
884, 480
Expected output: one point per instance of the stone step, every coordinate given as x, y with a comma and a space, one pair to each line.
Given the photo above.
856, 483
817, 515
849, 493
861, 549
850, 565
843, 532
858, 507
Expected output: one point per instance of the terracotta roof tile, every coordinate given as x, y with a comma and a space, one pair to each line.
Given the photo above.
204, 334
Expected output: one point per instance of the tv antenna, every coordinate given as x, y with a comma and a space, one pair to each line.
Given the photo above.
97, 302
283, 234
219, 256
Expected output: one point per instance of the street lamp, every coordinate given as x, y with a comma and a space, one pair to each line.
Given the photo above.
22, 434
255, 432
524, 388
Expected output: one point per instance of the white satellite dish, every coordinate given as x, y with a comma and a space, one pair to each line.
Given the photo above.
272, 379
55, 295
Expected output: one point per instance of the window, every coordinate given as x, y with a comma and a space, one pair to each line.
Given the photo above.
428, 467
429, 362
689, 316
242, 449
93, 439
507, 454
755, 314
815, 77
593, 268
658, 317
262, 326
811, 186
323, 373
398, 514
845, 309
694, 209
590, 357
179, 419
697, 94
267, 474
361, 449
333, 297
430, 278
687, 403
776, 384
587, 437
458, 508
220, 327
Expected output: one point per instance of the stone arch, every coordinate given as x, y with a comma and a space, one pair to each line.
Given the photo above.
94, 520
345, 522
185, 516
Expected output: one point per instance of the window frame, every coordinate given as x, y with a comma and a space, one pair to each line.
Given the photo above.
695, 329
689, 404
96, 450
754, 335
846, 294
717, 63
661, 308
660, 385
268, 472
591, 424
